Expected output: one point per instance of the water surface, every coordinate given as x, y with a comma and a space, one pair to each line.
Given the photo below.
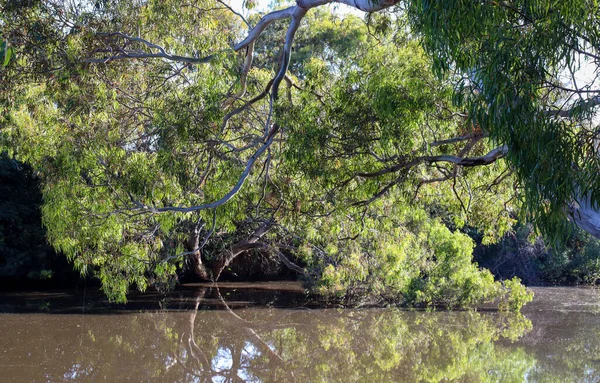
274, 333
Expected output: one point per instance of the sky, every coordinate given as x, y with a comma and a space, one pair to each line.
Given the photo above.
261, 6
265, 5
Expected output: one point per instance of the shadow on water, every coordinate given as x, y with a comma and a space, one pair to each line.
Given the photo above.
275, 333
92, 301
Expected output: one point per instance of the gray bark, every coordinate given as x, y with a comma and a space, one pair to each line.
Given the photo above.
585, 215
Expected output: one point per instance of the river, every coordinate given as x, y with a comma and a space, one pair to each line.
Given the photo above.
272, 332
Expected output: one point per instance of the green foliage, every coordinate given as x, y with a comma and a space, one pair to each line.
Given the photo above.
84, 136
513, 57
578, 262
517, 295
353, 251
6, 53
421, 263
356, 185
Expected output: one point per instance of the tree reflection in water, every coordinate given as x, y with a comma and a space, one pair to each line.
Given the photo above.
358, 345
196, 343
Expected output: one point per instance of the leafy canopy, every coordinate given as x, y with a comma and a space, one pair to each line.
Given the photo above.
362, 170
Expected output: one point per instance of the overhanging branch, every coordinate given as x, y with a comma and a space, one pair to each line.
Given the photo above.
487, 159
122, 53
296, 13
248, 168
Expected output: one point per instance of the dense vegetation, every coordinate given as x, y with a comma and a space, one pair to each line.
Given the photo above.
161, 150
523, 254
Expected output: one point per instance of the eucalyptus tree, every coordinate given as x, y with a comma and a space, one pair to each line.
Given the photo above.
529, 80
168, 137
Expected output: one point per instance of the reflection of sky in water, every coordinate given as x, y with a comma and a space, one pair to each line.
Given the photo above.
249, 352
77, 372
223, 361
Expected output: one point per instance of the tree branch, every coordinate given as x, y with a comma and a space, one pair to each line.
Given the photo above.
243, 77
124, 54
258, 29
567, 113
487, 159
226, 197
456, 139
297, 15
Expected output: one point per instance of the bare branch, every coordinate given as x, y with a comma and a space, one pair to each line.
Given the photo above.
234, 12
290, 265
380, 193
125, 54
297, 15
131, 38
584, 212
243, 77
487, 159
258, 29
362, 5
257, 98
456, 139
588, 104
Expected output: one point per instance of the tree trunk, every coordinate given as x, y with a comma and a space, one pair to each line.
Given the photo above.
586, 215
240, 247
195, 257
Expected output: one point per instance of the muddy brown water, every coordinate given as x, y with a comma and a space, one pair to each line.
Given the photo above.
272, 332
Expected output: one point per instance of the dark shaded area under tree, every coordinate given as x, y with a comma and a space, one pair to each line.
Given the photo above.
26, 259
